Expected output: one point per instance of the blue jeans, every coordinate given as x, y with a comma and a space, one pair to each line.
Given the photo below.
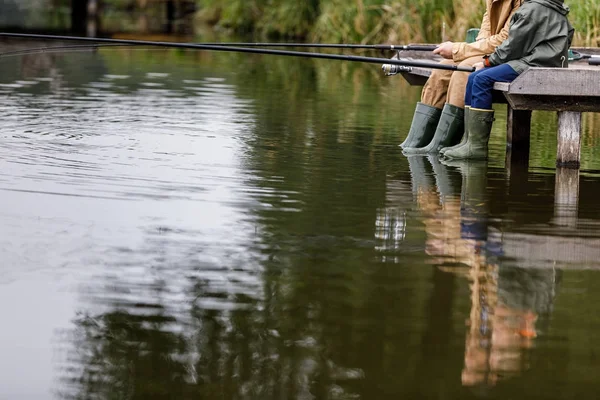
481, 83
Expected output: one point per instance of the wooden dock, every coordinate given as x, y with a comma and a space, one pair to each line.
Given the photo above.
569, 91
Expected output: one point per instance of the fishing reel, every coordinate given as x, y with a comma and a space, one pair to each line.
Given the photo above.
391, 69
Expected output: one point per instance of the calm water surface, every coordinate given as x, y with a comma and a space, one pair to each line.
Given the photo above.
189, 225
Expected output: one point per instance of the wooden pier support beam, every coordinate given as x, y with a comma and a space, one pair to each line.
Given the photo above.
569, 139
566, 196
518, 128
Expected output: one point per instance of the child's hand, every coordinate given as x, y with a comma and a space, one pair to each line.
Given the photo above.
444, 50
478, 66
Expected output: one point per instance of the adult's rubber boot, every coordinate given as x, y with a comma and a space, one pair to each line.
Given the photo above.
423, 126
448, 132
479, 126
464, 136
420, 176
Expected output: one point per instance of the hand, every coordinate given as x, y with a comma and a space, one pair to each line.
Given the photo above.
444, 50
478, 66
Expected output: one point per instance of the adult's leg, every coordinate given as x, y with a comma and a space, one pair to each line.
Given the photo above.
436, 88
458, 82
429, 109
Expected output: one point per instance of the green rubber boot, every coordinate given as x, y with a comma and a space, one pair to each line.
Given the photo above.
465, 134
449, 129
474, 202
479, 127
423, 126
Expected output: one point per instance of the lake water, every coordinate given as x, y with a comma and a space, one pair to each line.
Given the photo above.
180, 225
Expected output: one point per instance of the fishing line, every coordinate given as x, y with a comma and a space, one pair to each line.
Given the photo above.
56, 49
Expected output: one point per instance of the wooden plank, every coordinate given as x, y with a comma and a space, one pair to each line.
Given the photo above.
569, 139
553, 103
502, 86
557, 82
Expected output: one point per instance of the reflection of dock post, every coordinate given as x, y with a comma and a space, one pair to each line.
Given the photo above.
569, 139
566, 196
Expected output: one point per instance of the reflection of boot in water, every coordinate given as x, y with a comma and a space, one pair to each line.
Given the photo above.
420, 176
474, 208
445, 179
443, 229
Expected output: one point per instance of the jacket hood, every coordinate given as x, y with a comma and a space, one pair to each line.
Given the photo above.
556, 5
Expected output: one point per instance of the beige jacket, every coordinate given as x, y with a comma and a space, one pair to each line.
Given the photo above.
494, 30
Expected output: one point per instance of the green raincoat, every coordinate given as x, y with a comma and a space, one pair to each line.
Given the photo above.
539, 36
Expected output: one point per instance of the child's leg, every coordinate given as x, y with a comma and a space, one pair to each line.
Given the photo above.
483, 83
469, 90
480, 115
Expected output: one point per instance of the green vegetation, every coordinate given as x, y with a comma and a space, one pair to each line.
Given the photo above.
348, 21
354, 21
370, 21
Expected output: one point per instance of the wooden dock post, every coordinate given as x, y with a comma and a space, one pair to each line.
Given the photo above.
566, 196
518, 128
569, 139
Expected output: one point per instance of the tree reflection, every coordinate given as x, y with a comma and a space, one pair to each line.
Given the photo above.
123, 355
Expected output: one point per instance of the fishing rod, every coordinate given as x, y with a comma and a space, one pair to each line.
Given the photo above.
372, 60
392, 47
592, 58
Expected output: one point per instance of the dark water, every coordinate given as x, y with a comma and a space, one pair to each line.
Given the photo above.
200, 226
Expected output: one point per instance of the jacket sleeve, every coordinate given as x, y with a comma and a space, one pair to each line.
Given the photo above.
571, 34
512, 49
485, 30
485, 44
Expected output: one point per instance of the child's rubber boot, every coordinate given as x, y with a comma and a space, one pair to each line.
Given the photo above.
479, 126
